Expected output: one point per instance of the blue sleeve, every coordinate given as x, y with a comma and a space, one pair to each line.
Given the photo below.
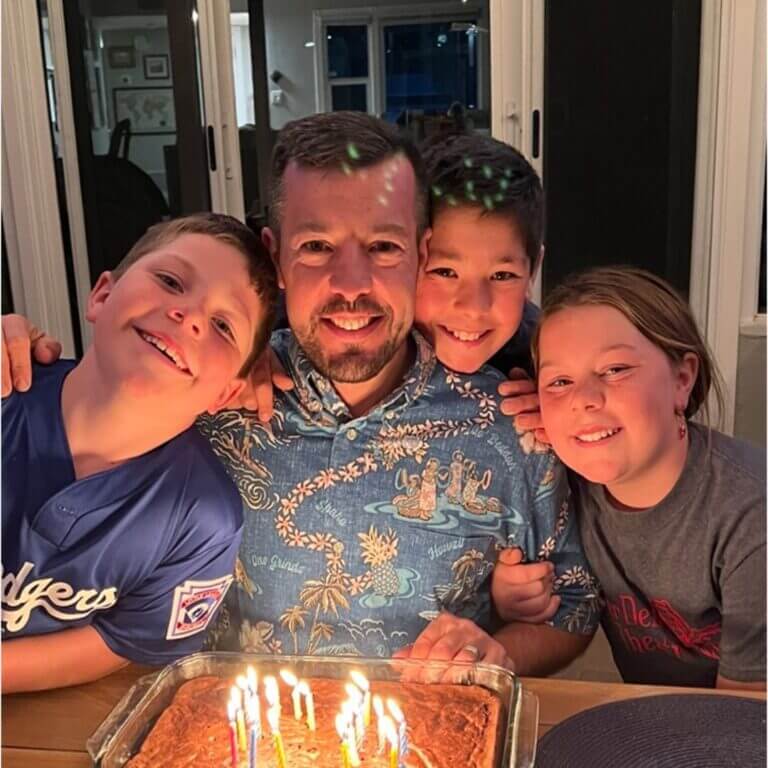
555, 537
165, 617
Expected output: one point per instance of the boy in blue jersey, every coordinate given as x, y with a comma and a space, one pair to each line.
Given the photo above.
120, 527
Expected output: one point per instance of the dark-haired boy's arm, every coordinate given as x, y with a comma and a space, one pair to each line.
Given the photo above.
56, 660
538, 649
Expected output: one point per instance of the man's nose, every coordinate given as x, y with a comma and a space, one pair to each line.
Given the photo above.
351, 275
190, 318
588, 396
473, 298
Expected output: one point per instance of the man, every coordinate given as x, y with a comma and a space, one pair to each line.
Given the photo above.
377, 498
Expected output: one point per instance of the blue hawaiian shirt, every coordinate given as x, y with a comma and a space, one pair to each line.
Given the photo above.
359, 531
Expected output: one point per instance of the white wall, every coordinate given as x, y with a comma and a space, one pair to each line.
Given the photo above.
288, 26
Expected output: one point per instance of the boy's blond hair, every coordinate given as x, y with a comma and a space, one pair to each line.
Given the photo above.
225, 229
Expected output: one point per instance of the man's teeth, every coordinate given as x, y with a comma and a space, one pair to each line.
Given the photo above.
594, 437
464, 336
155, 342
351, 325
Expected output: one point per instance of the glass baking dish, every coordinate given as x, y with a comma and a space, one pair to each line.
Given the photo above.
121, 734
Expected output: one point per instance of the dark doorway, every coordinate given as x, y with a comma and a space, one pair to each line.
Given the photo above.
620, 96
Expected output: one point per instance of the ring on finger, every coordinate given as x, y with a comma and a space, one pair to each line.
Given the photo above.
474, 650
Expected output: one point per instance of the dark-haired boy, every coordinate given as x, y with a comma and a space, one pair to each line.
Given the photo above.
120, 526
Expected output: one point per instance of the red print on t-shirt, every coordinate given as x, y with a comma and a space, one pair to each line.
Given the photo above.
660, 620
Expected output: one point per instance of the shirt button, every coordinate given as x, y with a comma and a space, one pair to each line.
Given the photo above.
351, 433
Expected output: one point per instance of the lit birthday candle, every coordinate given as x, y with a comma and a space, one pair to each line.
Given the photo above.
361, 681
341, 728
253, 721
394, 741
272, 692
273, 718
378, 708
232, 714
348, 710
253, 689
292, 681
309, 703
356, 702
399, 718
236, 696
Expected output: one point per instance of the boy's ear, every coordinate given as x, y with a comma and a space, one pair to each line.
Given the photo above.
98, 296
686, 375
231, 391
423, 247
271, 243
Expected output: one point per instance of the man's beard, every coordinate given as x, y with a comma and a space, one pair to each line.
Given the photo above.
355, 364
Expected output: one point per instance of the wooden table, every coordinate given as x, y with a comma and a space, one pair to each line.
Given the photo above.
49, 730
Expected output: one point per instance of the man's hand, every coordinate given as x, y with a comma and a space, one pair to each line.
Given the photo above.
449, 638
523, 592
21, 340
521, 400
258, 396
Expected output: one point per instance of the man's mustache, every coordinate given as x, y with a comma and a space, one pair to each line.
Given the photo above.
363, 305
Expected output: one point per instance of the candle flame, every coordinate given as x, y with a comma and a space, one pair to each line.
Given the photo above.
390, 732
231, 711
235, 696
395, 710
253, 681
303, 687
242, 683
289, 677
271, 691
273, 717
378, 706
360, 680
341, 726
355, 696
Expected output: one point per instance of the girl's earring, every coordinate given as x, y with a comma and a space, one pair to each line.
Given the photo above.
682, 426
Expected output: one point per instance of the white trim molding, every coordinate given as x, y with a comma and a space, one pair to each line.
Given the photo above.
728, 210
30, 202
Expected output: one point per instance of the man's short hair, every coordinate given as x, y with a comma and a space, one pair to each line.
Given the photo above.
230, 231
342, 141
471, 169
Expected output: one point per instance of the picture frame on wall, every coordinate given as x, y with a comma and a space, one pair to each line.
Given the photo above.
150, 110
157, 66
121, 56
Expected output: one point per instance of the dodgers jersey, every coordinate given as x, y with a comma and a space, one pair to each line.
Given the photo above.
143, 552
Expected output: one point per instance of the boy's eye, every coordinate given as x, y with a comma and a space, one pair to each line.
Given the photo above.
223, 327
170, 281
443, 272
504, 276
558, 383
616, 370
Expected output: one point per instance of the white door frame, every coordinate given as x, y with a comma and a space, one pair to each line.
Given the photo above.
31, 220
728, 198
517, 81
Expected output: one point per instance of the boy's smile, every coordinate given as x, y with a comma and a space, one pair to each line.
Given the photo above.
471, 294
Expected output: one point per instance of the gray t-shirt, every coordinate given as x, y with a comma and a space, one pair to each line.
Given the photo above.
684, 581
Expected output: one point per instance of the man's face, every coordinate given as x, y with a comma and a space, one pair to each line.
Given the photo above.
348, 256
472, 291
178, 325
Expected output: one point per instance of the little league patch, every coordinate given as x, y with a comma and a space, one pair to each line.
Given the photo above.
194, 603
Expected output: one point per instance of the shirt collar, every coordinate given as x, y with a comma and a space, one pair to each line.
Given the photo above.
320, 401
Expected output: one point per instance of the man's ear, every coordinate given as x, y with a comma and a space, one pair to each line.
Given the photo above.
231, 391
687, 371
423, 247
272, 244
98, 296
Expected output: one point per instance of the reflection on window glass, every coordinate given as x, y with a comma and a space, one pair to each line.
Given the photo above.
349, 97
347, 51
430, 67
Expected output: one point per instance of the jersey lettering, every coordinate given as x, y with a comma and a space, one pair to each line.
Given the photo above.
19, 600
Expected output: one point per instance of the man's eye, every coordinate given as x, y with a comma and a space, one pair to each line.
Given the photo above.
385, 246
504, 276
315, 246
223, 327
170, 281
442, 272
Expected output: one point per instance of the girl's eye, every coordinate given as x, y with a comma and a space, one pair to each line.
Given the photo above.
442, 272
170, 281
504, 276
615, 370
223, 327
558, 383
